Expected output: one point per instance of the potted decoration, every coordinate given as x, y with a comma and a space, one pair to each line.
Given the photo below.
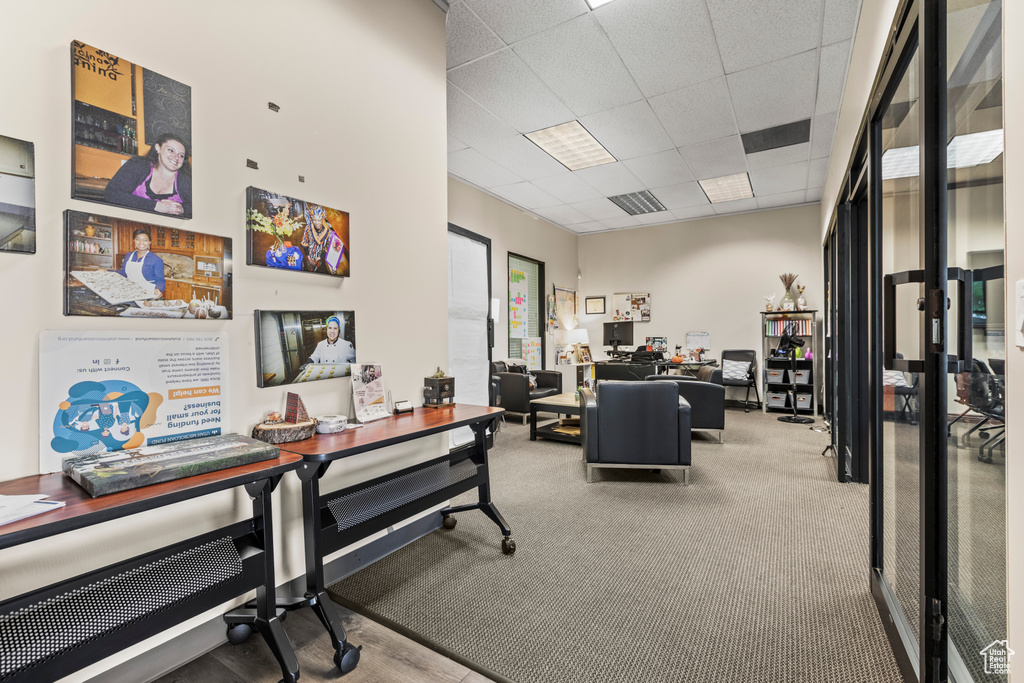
788, 303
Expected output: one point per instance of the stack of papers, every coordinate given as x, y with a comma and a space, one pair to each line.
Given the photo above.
13, 508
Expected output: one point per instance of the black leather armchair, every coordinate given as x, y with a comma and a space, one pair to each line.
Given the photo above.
706, 399
635, 424
514, 387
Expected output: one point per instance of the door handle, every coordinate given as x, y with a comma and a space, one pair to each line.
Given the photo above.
960, 362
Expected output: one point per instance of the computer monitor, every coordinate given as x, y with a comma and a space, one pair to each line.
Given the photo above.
618, 333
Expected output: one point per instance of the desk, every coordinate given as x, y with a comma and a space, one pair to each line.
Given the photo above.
52, 632
689, 367
334, 520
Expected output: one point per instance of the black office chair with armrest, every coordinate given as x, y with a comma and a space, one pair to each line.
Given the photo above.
514, 386
706, 399
749, 380
635, 424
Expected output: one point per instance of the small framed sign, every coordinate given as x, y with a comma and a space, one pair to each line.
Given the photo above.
595, 304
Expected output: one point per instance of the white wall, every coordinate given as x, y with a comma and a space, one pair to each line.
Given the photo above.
708, 275
511, 230
362, 94
1013, 106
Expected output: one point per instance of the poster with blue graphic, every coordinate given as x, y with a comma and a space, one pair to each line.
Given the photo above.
103, 392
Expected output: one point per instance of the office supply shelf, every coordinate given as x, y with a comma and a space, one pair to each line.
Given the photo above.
773, 324
52, 632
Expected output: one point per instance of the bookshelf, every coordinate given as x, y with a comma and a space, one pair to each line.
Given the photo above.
778, 394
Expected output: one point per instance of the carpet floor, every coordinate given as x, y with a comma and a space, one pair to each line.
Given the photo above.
756, 571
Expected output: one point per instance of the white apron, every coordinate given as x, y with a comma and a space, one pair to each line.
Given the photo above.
133, 271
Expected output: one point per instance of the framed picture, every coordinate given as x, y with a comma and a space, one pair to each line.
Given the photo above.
17, 196
303, 346
114, 266
583, 353
293, 234
595, 304
132, 135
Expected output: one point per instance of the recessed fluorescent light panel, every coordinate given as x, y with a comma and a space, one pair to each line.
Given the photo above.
636, 203
571, 145
963, 151
594, 4
727, 188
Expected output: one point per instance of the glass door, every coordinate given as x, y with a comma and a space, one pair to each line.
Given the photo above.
977, 432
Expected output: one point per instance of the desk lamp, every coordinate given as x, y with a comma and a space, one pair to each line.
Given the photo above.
578, 337
788, 344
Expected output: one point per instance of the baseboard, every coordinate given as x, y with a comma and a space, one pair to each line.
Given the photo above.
196, 642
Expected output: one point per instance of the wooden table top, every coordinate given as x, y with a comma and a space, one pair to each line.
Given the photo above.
392, 430
558, 400
83, 510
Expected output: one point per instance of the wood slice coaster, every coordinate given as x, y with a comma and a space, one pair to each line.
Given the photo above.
284, 432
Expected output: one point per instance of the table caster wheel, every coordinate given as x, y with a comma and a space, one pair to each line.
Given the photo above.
239, 633
449, 522
347, 657
508, 546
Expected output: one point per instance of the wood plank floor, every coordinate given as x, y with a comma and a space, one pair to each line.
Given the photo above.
387, 657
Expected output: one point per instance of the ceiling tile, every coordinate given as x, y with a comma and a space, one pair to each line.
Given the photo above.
784, 199
563, 215
470, 122
577, 61
832, 76
588, 227
813, 195
567, 187
696, 113
816, 172
779, 156
694, 212
629, 131
779, 179
840, 20
514, 21
682, 196
610, 179
454, 144
658, 170
468, 37
775, 93
507, 88
665, 44
600, 209
715, 158
753, 33
470, 165
521, 156
656, 217
737, 206
526, 195
823, 127
624, 222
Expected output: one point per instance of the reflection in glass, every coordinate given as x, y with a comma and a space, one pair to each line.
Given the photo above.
977, 533
17, 196
901, 250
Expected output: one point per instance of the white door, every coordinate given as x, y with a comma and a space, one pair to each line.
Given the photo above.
468, 356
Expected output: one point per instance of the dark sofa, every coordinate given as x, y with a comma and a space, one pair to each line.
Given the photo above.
514, 386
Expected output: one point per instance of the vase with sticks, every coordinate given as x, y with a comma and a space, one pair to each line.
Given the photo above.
788, 303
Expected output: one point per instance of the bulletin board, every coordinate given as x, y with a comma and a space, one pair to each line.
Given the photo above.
634, 306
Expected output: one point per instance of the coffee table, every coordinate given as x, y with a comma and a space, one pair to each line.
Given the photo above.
561, 404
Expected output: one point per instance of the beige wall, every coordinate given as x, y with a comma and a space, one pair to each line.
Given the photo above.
362, 94
511, 230
706, 275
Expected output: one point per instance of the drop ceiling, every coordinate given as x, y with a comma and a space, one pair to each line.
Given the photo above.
678, 91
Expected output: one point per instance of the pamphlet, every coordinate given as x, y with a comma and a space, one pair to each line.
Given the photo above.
13, 508
369, 393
